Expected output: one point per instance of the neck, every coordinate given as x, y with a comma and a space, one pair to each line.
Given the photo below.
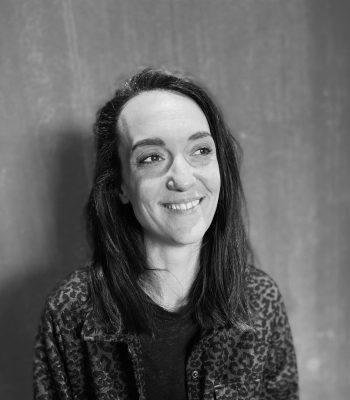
172, 271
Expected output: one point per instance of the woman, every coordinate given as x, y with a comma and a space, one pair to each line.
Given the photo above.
169, 307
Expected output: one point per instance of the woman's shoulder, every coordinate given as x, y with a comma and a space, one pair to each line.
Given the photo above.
262, 288
70, 294
258, 278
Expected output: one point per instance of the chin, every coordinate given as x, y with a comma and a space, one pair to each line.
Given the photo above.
187, 238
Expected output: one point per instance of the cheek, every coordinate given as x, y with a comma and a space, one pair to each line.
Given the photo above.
144, 193
213, 179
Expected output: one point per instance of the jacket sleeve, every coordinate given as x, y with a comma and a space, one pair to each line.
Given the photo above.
50, 380
281, 375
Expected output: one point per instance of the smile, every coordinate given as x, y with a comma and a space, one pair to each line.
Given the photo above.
188, 205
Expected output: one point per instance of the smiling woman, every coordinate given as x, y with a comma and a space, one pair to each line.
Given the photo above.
169, 306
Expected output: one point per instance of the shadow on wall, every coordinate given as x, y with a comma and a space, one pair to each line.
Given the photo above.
22, 299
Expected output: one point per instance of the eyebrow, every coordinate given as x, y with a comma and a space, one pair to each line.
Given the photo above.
160, 142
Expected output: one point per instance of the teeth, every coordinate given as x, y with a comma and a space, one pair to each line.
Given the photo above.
182, 206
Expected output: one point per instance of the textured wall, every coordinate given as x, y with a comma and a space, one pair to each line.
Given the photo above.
280, 69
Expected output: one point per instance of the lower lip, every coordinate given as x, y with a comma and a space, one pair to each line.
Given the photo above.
183, 212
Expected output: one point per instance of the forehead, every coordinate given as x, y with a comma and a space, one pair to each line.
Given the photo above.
161, 112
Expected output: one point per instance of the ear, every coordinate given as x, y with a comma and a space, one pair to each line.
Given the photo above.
123, 196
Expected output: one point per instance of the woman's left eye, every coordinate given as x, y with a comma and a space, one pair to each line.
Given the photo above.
202, 151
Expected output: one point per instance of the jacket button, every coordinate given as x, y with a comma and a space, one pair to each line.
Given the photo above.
195, 375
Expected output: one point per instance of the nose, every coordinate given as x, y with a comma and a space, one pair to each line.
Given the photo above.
180, 177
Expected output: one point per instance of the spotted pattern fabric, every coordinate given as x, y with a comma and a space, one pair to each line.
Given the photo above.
77, 357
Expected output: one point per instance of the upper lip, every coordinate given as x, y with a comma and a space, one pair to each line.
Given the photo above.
182, 201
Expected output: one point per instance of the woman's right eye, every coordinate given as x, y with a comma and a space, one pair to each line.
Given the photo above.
150, 159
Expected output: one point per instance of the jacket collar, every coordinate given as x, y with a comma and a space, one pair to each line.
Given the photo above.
94, 330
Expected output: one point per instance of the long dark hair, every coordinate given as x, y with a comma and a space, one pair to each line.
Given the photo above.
218, 296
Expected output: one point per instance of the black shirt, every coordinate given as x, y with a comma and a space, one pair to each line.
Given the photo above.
164, 356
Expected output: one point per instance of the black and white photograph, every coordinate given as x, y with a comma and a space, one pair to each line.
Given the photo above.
174, 199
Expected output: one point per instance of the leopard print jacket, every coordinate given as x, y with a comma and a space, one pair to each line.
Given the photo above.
77, 358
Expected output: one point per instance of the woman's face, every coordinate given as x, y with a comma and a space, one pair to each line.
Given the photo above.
170, 172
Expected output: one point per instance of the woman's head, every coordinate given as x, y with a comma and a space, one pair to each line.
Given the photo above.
157, 91
170, 173
199, 164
